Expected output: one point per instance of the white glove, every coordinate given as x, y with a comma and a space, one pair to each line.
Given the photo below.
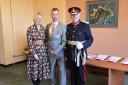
79, 45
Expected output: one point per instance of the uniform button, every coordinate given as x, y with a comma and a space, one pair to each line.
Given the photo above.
72, 36
73, 31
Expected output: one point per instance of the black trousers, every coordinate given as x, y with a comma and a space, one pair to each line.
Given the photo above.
36, 82
77, 74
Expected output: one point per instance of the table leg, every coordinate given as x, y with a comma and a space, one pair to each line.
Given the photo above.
116, 77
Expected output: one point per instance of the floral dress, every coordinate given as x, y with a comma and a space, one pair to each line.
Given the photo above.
37, 69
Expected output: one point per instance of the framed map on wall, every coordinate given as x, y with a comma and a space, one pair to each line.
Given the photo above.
102, 13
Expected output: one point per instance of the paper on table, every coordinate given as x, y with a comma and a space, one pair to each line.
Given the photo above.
125, 61
91, 56
114, 58
101, 57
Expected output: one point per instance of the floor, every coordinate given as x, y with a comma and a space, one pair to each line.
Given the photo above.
16, 75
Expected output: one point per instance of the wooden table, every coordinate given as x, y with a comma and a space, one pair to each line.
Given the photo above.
116, 70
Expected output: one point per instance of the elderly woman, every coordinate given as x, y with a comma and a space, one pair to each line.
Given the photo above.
37, 62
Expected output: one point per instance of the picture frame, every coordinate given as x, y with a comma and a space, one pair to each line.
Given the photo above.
102, 13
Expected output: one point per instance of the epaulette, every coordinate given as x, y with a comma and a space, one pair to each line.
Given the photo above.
86, 22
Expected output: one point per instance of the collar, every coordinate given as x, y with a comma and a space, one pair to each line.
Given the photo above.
35, 26
76, 23
55, 23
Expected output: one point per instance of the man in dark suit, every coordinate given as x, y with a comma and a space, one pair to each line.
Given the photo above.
79, 38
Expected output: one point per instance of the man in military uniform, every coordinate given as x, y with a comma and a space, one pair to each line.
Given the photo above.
79, 38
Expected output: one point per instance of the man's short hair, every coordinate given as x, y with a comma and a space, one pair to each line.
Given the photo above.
55, 9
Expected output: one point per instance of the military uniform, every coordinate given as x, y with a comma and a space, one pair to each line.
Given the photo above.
77, 32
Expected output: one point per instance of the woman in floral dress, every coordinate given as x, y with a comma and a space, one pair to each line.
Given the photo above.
37, 61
